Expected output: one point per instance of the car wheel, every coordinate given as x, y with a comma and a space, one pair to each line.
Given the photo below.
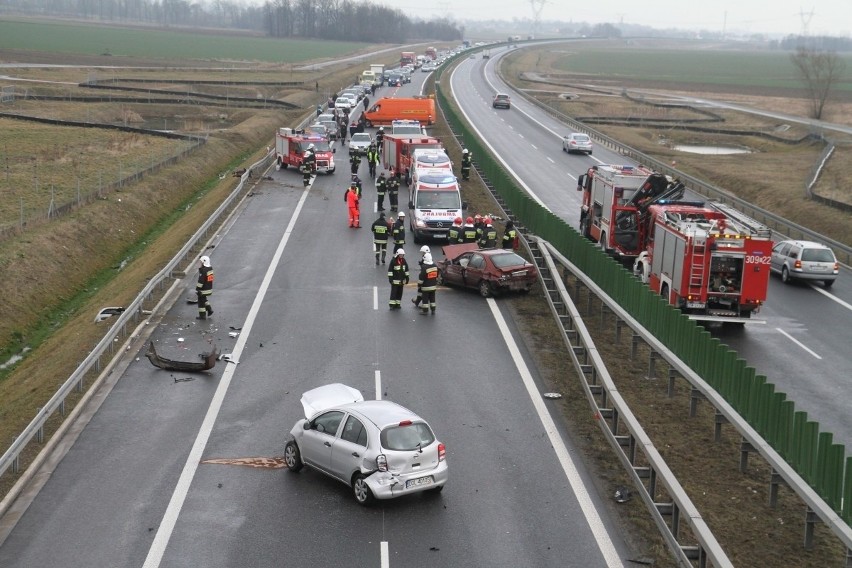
590, 152
785, 275
485, 289
602, 243
282, 163
584, 228
362, 491
293, 457
827, 283
368, 124
664, 292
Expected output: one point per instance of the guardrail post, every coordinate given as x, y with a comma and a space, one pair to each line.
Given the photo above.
745, 448
811, 519
618, 325
695, 396
775, 481
652, 365
718, 420
673, 374
634, 343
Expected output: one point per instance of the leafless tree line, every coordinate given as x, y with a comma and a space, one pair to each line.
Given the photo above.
344, 20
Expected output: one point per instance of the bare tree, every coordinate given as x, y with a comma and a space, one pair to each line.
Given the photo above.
820, 71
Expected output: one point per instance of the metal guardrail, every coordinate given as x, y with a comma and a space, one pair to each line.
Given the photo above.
777, 223
622, 429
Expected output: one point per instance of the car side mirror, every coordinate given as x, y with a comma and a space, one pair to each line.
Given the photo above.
306, 425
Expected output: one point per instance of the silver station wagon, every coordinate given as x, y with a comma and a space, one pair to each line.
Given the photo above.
377, 447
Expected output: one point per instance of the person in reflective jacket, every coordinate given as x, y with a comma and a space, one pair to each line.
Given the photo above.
454, 234
428, 282
204, 288
380, 236
468, 232
398, 277
488, 235
510, 235
381, 187
351, 198
398, 231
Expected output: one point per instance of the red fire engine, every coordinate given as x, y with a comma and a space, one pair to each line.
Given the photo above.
612, 198
398, 150
710, 261
290, 147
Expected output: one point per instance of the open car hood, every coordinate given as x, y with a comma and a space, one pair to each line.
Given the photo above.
321, 398
453, 251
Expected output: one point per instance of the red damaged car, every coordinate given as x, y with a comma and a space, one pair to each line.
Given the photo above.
488, 270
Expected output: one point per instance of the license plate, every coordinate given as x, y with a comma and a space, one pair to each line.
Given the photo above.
440, 235
695, 304
420, 481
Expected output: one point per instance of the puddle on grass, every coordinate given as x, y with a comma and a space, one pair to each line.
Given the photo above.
714, 150
14, 359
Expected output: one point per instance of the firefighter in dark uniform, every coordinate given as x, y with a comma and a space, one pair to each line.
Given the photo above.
398, 277
424, 250
204, 288
372, 159
357, 181
510, 235
465, 164
468, 232
309, 165
393, 192
380, 136
381, 187
454, 233
428, 283
488, 236
355, 162
380, 236
398, 231
478, 224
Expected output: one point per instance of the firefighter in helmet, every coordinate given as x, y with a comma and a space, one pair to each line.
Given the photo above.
454, 234
309, 165
465, 164
204, 287
468, 232
488, 235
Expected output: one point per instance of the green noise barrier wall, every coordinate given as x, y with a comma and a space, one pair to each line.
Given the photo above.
811, 453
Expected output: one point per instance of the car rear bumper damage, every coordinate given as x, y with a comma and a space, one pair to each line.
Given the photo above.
386, 485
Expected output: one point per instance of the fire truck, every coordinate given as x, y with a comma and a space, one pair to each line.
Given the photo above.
398, 151
290, 146
612, 197
710, 261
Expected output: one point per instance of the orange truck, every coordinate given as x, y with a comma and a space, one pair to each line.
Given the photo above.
386, 110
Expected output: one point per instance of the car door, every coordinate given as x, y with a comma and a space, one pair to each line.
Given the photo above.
453, 272
475, 270
349, 449
318, 441
779, 254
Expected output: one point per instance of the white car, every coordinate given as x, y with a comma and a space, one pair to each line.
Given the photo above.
577, 142
359, 143
344, 103
377, 447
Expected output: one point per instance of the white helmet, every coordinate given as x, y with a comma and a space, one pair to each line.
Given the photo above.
205, 261
464, 151
399, 252
382, 128
425, 248
311, 146
427, 258
402, 214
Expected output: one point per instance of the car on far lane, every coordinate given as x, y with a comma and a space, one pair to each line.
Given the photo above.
395, 80
577, 142
501, 100
490, 271
378, 448
804, 260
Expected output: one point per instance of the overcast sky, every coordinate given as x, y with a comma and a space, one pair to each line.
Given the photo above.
763, 16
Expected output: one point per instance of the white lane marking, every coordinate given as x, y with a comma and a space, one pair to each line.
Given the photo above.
599, 531
534, 147
375, 297
167, 525
819, 289
551, 160
385, 555
378, 385
521, 135
797, 342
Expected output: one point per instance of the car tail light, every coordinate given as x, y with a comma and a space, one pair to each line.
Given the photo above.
797, 264
382, 462
405, 423
442, 452
836, 266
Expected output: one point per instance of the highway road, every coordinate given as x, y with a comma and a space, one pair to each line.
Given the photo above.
178, 469
804, 345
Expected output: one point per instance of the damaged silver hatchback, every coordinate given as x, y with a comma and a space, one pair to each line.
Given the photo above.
377, 447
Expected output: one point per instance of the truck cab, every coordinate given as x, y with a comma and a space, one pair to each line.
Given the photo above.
291, 145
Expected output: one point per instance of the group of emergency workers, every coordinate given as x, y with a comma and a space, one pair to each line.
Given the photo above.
480, 230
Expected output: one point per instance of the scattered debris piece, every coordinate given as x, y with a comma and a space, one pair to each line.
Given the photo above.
229, 358
107, 313
552, 395
180, 339
184, 379
232, 328
233, 334
622, 494
184, 366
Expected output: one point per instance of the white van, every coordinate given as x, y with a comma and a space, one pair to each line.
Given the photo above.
435, 203
431, 158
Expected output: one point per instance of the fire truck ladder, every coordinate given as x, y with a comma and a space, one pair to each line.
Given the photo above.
753, 228
698, 247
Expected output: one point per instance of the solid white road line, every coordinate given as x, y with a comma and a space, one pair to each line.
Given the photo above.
378, 385
385, 555
164, 532
375, 297
797, 342
819, 289
599, 531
